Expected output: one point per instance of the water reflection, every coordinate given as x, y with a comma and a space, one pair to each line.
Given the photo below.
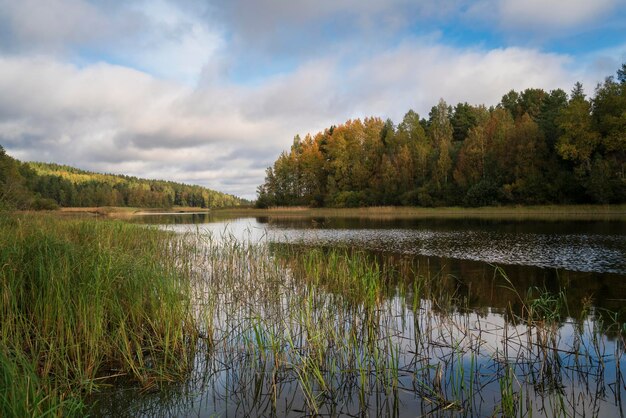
444, 365
587, 257
456, 344
598, 247
577, 246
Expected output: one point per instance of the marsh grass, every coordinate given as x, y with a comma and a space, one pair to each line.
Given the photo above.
85, 301
23, 394
539, 212
310, 331
257, 329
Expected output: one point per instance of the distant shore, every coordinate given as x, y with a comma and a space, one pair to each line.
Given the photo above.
553, 212
570, 212
122, 212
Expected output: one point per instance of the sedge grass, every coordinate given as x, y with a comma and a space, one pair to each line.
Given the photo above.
341, 331
84, 301
296, 330
23, 394
326, 331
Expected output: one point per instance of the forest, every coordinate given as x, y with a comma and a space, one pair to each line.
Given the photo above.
48, 186
534, 147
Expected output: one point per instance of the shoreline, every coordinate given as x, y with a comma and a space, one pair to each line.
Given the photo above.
554, 212
124, 212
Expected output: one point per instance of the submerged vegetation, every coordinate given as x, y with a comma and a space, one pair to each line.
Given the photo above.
112, 319
309, 331
534, 147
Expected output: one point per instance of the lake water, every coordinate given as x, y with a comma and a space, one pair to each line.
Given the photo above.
583, 246
427, 357
588, 256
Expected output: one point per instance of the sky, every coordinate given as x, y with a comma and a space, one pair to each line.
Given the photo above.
210, 92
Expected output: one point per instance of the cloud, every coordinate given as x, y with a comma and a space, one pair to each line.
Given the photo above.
158, 37
542, 18
313, 89
179, 44
115, 119
476, 76
58, 25
118, 119
275, 33
557, 14
211, 93
263, 15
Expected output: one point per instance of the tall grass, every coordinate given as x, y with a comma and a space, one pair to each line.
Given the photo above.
84, 301
23, 394
256, 329
541, 212
332, 331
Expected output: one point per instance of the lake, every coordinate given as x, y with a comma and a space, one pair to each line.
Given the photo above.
515, 317
588, 255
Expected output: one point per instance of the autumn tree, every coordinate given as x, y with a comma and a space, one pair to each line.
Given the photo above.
534, 147
470, 164
551, 107
578, 140
441, 134
607, 182
525, 152
510, 102
531, 103
464, 118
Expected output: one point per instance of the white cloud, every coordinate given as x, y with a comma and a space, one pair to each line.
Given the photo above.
54, 26
183, 47
555, 13
117, 119
158, 37
298, 28
540, 17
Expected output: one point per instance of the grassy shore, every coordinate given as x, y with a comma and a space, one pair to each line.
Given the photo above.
257, 327
125, 212
573, 212
84, 302
539, 212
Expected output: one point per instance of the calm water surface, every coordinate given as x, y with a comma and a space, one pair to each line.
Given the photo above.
583, 246
468, 355
587, 257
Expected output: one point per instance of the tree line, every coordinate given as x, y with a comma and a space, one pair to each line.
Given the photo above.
47, 186
534, 147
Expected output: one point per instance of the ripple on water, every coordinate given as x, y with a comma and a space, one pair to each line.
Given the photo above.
585, 253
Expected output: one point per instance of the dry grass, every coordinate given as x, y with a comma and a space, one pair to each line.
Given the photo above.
547, 212
126, 212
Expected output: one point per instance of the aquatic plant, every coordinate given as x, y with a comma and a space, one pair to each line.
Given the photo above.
252, 329
310, 330
85, 301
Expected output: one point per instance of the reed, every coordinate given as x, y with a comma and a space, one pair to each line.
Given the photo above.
337, 330
85, 301
23, 394
259, 329
540, 212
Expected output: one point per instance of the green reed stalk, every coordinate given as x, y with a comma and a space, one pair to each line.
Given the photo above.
84, 300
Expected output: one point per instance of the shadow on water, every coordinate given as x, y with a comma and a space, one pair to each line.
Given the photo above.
345, 317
